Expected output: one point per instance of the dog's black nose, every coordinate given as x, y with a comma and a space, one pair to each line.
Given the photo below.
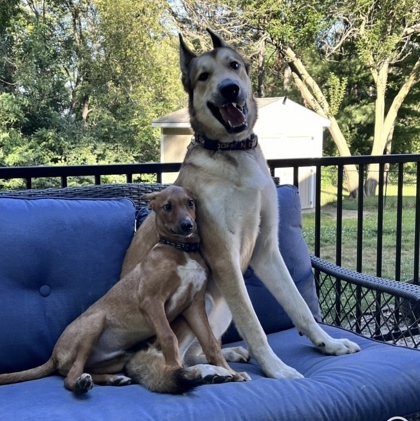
229, 91
187, 226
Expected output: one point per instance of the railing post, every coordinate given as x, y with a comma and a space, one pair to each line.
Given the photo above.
417, 229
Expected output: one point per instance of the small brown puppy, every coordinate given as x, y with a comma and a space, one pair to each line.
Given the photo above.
169, 283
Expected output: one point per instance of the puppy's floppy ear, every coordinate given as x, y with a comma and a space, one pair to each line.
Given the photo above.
149, 197
217, 41
185, 58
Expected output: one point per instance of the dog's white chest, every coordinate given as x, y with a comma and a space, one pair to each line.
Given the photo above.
193, 278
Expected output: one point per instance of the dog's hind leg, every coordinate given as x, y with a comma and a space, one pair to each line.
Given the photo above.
76, 380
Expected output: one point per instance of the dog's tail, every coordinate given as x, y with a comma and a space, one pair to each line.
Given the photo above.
43, 370
148, 367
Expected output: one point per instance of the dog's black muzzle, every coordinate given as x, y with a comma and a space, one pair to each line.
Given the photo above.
229, 107
229, 91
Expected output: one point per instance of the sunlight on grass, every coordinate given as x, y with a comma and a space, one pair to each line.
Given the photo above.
370, 231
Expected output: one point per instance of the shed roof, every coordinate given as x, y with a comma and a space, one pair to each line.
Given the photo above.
287, 108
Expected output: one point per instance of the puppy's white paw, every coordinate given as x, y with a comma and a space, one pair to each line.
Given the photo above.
338, 347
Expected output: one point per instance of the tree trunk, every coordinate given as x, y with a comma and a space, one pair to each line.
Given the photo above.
384, 125
378, 146
351, 171
314, 97
261, 70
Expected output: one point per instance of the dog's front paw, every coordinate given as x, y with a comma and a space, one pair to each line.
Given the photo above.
83, 384
237, 354
241, 376
338, 347
285, 372
208, 373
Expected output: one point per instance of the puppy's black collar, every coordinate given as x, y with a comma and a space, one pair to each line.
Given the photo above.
250, 142
188, 247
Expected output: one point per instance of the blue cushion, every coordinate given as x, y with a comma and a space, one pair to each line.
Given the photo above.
380, 382
296, 256
58, 256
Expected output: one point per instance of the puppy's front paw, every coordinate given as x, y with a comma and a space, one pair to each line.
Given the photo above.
338, 347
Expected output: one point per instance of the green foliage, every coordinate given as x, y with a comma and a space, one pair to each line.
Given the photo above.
82, 80
336, 91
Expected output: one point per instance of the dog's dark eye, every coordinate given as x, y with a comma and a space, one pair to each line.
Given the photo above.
234, 65
167, 207
191, 203
203, 76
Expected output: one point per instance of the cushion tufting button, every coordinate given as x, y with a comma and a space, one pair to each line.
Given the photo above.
45, 290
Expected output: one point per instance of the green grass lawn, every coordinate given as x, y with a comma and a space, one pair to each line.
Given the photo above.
370, 231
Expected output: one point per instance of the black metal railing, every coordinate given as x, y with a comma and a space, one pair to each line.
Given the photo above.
96, 172
400, 169
393, 169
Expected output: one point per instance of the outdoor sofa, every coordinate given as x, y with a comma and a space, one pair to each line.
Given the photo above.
61, 249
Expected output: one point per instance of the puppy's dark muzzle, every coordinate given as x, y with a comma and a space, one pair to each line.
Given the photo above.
187, 227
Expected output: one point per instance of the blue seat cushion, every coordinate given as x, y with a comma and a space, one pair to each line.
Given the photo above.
58, 256
296, 256
380, 382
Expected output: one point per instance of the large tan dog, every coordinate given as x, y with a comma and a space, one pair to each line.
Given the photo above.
170, 282
237, 210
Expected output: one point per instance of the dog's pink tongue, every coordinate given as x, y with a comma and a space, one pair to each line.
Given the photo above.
232, 115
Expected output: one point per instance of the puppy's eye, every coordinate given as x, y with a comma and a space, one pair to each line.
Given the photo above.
203, 76
235, 65
191, 203
167, 207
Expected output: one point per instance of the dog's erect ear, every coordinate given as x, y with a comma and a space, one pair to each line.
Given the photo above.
185, 57
217, 41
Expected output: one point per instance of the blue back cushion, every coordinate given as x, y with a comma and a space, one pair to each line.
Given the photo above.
296, 256
57, 257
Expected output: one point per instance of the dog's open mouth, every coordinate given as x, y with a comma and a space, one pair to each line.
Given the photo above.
232, 116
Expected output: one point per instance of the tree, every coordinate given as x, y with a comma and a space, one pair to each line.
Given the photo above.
81, 81
384, 33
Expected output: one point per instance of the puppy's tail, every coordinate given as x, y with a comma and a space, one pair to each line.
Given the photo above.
43, 370
148, 367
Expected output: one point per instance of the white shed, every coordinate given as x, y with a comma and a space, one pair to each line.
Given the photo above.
285, 129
